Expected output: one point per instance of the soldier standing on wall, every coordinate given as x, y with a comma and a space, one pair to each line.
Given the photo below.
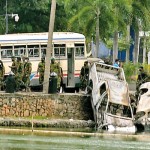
2, 73
23, 60
55, 68
84, 75
19, 74
14, 65
41, 70
27, 72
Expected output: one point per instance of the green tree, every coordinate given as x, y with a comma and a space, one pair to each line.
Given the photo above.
121, 11
90, 16
140, 19
33, 16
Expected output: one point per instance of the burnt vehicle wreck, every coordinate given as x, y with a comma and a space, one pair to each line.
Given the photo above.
110, 98
142, 117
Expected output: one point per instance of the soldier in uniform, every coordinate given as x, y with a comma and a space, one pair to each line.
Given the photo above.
23, 60
55, 67
2, 73
41, 69
14, 65
19, 74
27, 72
84, 74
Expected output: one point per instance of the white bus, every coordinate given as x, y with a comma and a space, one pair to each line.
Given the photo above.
69, 49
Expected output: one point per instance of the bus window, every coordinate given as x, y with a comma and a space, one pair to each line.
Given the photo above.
6, 52
30, 52
56, 51
59, 50
20, 50
33, 51
62, 51
79, 50
36, 52
43, 50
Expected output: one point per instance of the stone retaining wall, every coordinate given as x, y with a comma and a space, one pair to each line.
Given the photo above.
63, 106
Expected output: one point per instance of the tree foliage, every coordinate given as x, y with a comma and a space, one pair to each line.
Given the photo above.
33, 16
90, 17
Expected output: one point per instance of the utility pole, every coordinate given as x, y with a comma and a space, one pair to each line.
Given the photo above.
49, 47
6, 17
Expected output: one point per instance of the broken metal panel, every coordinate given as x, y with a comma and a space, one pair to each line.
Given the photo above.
144, 102
94, 77
110, 72
118, 120
143, 106
145, 85
118, 92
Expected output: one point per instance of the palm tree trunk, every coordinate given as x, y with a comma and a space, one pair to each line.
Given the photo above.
144, 50
128, 41
136, 48
115, 46
49, 47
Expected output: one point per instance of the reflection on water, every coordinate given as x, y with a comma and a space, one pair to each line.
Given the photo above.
32, 141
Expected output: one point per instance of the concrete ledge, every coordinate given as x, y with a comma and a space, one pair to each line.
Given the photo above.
47, 123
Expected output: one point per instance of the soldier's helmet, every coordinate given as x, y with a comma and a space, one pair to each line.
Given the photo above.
19, 58
86, 62
52, 58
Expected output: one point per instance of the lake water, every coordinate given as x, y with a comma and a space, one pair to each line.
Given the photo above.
44, 141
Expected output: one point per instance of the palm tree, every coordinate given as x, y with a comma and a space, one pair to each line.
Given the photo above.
140, 18
122, 9
88, 15
49, 46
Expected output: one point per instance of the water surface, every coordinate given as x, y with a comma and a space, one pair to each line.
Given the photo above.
32, 141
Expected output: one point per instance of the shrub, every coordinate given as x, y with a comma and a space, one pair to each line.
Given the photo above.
131, 71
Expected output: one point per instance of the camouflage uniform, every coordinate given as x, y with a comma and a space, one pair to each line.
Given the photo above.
27, 72
2, 73
23, 60
55, 67
41, 69
84, 75
14, 65
19, 73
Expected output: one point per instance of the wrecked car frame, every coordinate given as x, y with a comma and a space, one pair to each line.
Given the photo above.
143, 106
110, 96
